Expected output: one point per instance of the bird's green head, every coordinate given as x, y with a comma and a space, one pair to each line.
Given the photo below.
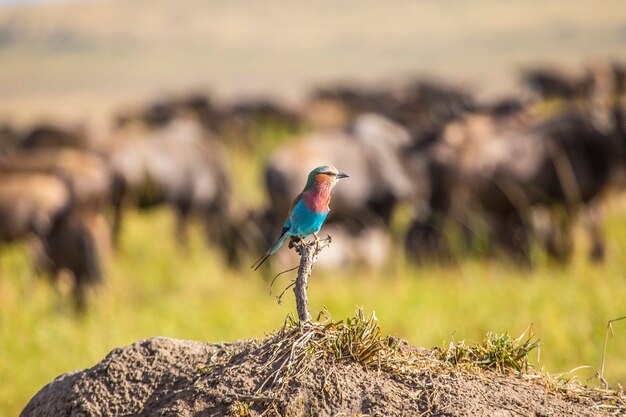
324, 174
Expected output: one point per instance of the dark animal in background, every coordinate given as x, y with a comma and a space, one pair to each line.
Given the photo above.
179, 166
48, 135
30, 203
500, 169
72, 245
155, 114
47, 155
551, 83
40, 206
234, 121
8, 137
241, 119
88, 175
421, 106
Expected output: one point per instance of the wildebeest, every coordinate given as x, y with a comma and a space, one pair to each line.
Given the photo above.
178, 165
551, 83
242, 117
155, 114
235, 120
421, 106
499, 169
72, 244
88, 175
39, 205
51, 135
49, 154
30, 203
8, 137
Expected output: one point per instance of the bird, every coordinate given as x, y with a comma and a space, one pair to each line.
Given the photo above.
309, 209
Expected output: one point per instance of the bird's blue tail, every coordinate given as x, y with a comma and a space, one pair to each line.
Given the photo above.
271, 250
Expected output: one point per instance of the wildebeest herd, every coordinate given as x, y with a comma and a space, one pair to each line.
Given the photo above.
500, 175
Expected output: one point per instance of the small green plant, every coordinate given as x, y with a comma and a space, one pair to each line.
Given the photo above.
358, 338
498, 352
240, 409
298, 345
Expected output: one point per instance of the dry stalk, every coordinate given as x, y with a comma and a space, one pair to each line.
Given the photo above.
609, 330
309, 252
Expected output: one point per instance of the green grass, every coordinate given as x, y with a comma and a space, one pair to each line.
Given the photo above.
497, 351
154, 288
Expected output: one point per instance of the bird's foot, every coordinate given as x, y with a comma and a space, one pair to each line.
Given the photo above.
296, 242
322, 243
316, 242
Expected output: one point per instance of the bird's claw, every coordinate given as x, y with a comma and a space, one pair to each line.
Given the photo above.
296, 242
321, 243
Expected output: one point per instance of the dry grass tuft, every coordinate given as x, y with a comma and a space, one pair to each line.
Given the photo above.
299, 345
497, 352
607, 399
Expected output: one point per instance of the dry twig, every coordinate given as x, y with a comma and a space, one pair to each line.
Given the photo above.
309, 252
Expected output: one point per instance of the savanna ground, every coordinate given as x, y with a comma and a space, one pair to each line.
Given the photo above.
78, 59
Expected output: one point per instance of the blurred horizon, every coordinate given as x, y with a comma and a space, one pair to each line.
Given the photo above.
98, 54
34, 2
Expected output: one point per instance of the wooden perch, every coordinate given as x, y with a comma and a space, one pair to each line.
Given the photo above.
309, 252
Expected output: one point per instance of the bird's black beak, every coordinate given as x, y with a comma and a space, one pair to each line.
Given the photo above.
342, 175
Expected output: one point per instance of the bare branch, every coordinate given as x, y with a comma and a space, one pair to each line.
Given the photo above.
309, 252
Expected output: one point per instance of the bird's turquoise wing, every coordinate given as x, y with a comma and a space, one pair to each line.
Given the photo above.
295, 202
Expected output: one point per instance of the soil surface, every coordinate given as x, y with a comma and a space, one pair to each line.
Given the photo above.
169, 377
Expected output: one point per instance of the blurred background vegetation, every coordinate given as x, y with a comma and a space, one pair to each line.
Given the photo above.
80, 61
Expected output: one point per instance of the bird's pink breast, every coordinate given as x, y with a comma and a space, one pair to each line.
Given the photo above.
317, 200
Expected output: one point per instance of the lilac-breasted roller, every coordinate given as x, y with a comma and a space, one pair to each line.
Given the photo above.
310, 208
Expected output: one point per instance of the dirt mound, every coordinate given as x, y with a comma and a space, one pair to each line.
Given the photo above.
302, 370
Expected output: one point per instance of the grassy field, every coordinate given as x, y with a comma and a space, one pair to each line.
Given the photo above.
155, 288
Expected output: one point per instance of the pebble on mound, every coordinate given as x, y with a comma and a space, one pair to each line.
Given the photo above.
306, 369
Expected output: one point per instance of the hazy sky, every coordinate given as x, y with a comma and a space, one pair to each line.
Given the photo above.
10, 2
17, 2
92, 54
